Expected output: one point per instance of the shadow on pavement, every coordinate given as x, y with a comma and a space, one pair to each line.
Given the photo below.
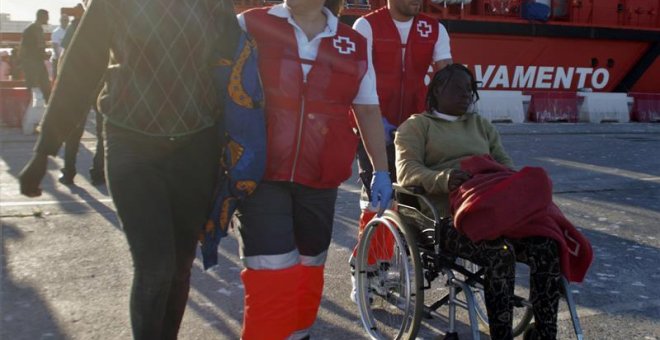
18, 294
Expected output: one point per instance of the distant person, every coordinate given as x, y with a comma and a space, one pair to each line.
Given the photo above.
76, 12
5, 67
33, 54
56, 40
49, 66
404, 44
162, 129
72, 142
15, 64
72, 146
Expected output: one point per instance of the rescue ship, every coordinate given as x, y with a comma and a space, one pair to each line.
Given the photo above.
550, 51
545, 45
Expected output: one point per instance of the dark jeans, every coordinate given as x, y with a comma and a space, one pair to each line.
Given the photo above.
72, 145
162, 189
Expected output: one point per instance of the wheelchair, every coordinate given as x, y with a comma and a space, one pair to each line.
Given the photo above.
391, 293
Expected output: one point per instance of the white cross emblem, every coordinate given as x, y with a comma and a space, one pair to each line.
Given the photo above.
344, 45
424, 28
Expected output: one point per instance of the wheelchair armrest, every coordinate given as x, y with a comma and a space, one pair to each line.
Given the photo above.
414, 197
409, 190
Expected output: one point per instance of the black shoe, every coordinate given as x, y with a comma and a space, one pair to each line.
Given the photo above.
98, 180
98, 177
66, 180
67, 176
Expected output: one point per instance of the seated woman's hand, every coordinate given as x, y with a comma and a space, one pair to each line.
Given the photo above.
456, 178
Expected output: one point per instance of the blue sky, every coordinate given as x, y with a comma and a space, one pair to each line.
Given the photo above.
26, 9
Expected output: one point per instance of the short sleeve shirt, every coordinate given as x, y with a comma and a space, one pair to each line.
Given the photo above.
441, 50
308, 49
56, 38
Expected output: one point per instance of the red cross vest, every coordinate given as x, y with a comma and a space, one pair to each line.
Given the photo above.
309, 122
400, 83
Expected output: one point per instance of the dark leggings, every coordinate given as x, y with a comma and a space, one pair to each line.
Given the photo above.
162, 189
499, 261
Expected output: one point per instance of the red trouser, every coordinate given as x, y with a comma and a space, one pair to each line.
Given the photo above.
280, 302
382, 243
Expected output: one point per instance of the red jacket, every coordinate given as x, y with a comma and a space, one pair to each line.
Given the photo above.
310, 136
400, 83
499, 202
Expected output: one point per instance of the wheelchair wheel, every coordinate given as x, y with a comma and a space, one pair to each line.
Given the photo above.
389, 294
522, 308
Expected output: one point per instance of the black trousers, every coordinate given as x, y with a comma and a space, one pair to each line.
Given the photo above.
162, 189
499, 259
36, 75
72, 145
280, 217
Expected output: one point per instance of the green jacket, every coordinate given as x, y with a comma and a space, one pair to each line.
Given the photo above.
428, 147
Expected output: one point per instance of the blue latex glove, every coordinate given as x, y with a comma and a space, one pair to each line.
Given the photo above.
381, 191
389, 131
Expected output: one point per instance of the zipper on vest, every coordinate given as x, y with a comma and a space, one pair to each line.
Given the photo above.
300, 127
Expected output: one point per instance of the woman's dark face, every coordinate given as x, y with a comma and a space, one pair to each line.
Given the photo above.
456, 95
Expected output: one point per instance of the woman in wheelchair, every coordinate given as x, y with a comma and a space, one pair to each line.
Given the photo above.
429, 148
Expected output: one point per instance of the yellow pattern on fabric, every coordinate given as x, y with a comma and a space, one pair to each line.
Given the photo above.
236, 90
224, 213
247, 186
236, 151
208, 229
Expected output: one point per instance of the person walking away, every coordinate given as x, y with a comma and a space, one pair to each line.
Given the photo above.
72, 146
72, 142
314, 70
33, 54
162, 134
15, 64
5, 66
32, 58
404, 45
